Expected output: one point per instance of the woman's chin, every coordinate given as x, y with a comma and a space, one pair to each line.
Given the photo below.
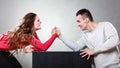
38, 29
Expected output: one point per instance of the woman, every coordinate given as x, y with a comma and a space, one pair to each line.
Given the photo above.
23, 36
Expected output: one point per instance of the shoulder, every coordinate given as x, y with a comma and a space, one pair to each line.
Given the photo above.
106, 24
1, 35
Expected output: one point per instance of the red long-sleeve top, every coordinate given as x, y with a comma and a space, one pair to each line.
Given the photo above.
37, 44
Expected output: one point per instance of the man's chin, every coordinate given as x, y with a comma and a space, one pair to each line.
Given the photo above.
85, 31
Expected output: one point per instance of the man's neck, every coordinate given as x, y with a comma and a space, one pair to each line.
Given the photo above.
92, 26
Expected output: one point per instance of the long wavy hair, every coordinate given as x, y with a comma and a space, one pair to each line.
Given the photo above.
25, 31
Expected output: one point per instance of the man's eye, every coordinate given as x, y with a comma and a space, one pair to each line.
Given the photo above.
78, 21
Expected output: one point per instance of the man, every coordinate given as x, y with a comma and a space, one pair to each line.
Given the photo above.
101, 40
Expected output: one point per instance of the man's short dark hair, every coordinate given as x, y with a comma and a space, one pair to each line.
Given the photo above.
85, 12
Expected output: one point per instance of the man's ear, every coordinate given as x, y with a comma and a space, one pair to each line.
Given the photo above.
87, 20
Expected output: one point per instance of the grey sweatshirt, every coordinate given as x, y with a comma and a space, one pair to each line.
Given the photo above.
104, 39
